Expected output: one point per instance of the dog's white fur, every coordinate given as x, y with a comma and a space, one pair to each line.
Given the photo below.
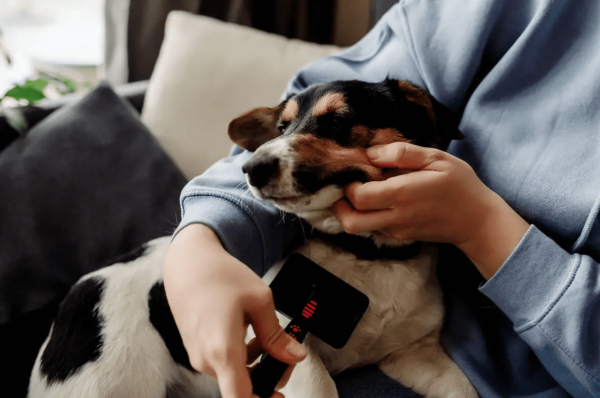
399, 332
135, 361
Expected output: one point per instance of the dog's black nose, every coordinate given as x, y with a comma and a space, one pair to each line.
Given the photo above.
261, 170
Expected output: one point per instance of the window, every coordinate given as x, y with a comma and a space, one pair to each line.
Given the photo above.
57, 37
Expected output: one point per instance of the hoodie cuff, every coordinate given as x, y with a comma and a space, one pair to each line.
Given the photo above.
532, 279
231, 222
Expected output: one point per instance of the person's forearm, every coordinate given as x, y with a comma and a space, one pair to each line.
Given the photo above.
192, 241
500, 232
194, 250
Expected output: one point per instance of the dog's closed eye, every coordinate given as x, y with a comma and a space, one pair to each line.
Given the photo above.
283, 125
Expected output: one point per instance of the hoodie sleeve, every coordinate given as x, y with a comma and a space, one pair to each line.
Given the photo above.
553, 299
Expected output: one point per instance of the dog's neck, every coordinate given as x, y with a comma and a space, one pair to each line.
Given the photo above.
367, 245
366, 249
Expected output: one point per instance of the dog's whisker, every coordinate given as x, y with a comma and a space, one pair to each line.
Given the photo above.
247, 193
301, 226
282, 213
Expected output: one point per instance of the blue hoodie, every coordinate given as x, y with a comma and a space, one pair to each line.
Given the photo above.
524, 75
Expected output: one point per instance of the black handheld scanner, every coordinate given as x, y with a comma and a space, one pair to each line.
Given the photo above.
317, 302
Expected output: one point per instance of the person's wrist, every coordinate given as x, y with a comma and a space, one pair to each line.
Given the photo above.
192, 240
497, 231
199, 234
182, 266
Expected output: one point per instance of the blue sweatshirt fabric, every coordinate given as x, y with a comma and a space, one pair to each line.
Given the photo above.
524, 75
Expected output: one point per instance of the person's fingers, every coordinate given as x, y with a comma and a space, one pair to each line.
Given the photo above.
403, 156
285, 378
254, 350
234, 380
272, 337
375, 195
356, 221
226, 353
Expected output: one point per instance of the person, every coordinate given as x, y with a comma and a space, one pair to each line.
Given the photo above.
519, 196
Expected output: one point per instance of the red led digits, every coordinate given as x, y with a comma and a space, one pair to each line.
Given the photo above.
309, 309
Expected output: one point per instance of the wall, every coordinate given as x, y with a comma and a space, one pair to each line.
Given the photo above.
352, 18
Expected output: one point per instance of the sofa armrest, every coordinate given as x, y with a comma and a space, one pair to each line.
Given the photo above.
134, 93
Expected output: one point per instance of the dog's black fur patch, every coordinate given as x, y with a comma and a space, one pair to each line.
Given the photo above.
164, 323
366, 249
76, 336
376, 106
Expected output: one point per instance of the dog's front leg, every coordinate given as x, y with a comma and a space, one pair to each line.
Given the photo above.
428, 370
310, 379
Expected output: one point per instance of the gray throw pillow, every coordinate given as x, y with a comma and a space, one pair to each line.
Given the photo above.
86, 184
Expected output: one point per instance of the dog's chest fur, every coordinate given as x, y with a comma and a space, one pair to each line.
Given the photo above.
405, 303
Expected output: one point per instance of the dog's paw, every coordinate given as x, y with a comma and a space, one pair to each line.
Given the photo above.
310, 379
429, 371
456, 385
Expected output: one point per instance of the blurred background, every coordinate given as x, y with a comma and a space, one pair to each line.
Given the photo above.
75, 43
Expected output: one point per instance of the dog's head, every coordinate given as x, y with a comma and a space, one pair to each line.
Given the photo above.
313, 144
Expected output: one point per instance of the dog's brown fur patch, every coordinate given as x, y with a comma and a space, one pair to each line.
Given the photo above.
254, 128
330, 102
332, 157
290, 111
387, 136
361, 136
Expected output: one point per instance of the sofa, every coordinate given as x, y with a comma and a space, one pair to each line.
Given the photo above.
88, 178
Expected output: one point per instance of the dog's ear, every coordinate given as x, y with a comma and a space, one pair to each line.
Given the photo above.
446, 126
444, 122
254, 128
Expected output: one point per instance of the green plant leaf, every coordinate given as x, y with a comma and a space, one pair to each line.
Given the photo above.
31, 90
69, 84
38, 84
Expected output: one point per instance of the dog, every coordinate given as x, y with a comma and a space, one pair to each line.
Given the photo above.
114, 335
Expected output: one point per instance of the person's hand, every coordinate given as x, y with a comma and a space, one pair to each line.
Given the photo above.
442, 201
213, 298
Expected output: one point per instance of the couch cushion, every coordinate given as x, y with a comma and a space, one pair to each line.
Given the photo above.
84, 185
209, 72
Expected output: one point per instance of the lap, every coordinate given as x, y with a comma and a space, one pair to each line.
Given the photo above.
370, 382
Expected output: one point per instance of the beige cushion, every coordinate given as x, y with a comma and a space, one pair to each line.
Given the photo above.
209, 72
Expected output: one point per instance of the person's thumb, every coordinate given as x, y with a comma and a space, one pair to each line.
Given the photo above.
402, 155
273, 338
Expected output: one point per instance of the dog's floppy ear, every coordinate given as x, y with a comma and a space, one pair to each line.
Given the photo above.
445, 123
254, 128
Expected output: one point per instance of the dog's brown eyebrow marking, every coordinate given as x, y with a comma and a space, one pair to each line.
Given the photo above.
330, 102
418, 96
387, 136
290, 111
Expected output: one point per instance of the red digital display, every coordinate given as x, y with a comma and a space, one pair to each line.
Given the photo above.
309, 309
